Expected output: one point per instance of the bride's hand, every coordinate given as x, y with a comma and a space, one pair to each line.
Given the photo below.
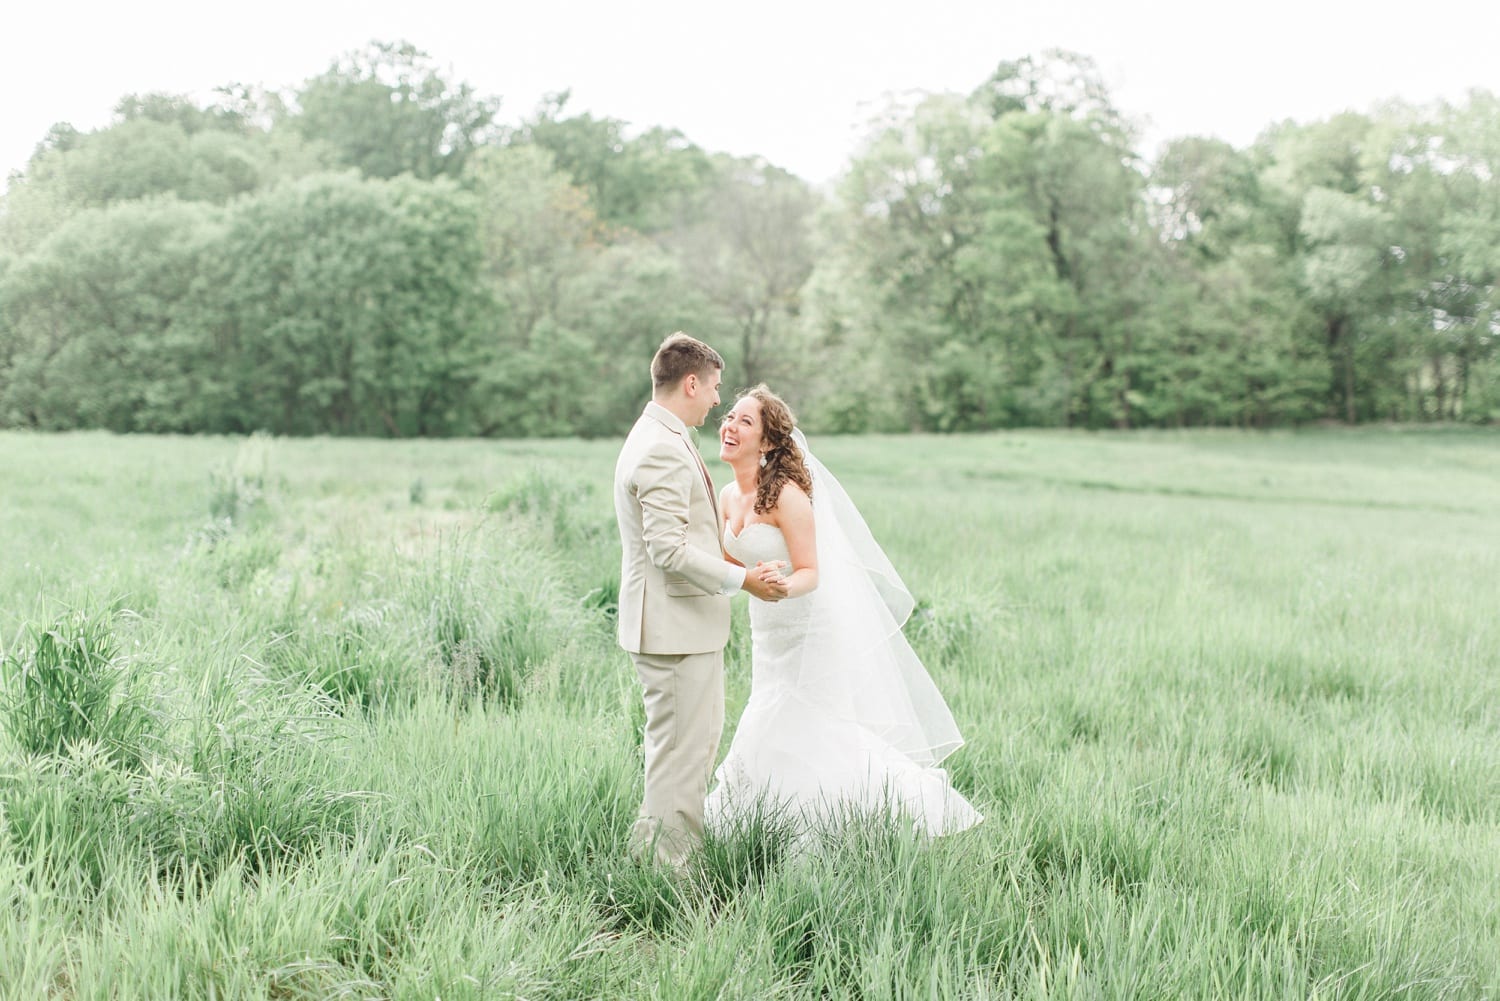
766, 590
772, 571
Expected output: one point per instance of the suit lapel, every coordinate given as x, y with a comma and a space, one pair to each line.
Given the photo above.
673, 423
708, 481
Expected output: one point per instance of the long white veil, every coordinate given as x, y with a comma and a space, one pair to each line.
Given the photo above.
855, 657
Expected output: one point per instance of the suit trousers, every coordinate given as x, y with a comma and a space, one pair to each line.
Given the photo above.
684, 695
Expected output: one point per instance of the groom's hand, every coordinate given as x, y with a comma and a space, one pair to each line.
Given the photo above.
765, 590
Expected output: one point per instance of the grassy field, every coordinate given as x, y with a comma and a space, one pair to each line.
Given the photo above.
312, 719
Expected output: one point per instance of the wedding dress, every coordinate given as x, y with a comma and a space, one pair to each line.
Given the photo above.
842, 716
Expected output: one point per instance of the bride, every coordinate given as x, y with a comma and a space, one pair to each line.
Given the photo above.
842, 716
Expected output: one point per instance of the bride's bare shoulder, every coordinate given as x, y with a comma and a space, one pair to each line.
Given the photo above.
792, 501
792, 492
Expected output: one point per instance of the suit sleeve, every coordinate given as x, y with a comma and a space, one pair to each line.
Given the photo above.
664, 486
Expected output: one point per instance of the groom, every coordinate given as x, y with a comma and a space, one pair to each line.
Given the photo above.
674, 594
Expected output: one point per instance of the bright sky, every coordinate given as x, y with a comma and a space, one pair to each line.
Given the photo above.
793, 80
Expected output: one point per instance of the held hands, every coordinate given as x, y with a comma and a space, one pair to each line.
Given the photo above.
765, 581
772, 570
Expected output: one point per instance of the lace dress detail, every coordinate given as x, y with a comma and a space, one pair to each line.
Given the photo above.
806, 742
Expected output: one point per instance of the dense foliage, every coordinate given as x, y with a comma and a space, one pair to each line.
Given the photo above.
372, 254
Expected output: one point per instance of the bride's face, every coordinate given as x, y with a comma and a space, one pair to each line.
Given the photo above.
740, 433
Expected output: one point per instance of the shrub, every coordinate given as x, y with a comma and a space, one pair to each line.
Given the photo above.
250, 786
68, 683
360, 659
238, 494
496, 617
560, 508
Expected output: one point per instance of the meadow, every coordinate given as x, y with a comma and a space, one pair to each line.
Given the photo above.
313, 718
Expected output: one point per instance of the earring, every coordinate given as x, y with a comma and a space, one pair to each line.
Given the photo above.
763, 460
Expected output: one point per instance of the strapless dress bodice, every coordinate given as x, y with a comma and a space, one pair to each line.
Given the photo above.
757, 543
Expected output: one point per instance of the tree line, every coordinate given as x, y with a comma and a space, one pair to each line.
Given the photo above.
372, 253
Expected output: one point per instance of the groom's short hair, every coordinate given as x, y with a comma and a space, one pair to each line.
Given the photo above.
680, 356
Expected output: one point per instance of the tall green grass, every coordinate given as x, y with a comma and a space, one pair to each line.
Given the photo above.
353, 724
67, 683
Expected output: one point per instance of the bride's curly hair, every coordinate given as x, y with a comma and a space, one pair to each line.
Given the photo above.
784, 459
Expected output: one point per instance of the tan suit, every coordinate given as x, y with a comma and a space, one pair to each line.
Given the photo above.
674, 622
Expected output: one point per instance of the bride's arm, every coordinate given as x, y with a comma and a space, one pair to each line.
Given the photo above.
794, 516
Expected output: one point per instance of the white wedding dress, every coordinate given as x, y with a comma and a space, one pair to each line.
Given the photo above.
842, 717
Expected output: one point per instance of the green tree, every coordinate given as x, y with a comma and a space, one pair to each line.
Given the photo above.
1207, 199
1443, 208
389, 110
1005, 241
93, 322
1338, 228
1470, 321
1346, 243
1241, 346
906, 217
580, 305
1075, 187
651, 183
348, 306
1238, 344
632, 295
158, 145
538, 234
749, 257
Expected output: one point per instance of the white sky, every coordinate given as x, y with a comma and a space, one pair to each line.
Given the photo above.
793, 81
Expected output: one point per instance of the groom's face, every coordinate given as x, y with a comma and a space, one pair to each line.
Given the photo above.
703, 392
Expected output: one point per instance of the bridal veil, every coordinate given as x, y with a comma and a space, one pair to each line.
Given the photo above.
856, 658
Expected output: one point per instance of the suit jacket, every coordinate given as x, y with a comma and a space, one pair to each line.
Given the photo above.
672, 558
